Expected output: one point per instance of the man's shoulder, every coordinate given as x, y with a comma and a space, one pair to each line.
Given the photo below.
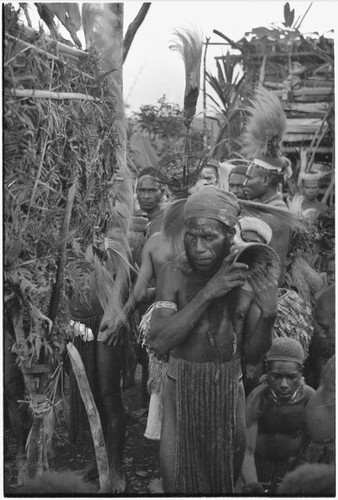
254, 403
171, 267
308, 391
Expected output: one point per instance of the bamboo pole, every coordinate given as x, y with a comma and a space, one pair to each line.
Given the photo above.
93, 416
62, 47
328, 191
46, 94
315, 142
262, 70
205, 130
42, 52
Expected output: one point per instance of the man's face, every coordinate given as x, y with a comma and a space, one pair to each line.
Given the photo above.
236, 185
310, 190
324, 324
148, 193
207, 177
207, 242
255, 185
330, 272
284, 378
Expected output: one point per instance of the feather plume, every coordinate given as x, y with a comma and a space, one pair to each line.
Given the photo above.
306, 279
265, 128
189, 43
270, 213
173, 225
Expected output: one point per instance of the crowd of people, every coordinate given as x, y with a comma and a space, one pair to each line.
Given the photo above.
238, 362
236, 377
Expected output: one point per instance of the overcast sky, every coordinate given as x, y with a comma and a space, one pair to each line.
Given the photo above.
152, 69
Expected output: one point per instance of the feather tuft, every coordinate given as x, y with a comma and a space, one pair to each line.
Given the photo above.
265, 128
189, 43
173, 225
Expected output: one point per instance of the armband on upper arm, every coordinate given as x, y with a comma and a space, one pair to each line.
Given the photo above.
144, 326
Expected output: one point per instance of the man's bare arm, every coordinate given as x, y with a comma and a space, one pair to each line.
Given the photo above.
164, 334
249, 472
261, 316
146, 273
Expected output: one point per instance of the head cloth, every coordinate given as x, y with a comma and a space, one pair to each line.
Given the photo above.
213, 203
286, 349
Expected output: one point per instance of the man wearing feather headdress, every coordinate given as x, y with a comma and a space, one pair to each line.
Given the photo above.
261, 142
207, 323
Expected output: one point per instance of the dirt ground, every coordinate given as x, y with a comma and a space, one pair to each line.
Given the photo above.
141, 462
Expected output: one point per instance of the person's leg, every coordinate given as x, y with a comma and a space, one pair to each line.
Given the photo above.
14, 390
240, 433
168, 436
109, 378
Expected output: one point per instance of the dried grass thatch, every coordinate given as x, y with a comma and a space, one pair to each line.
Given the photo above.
58, 155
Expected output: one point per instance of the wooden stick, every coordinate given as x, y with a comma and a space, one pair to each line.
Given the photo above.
93, 416
46, 94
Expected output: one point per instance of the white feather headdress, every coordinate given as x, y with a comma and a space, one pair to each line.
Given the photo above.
264, 132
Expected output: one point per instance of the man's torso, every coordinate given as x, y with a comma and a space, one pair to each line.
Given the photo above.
218, 335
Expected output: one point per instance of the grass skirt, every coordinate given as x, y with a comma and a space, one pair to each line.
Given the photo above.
206, 401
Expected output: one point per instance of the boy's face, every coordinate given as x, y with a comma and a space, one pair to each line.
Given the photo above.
310, 189
207, 177
284, 378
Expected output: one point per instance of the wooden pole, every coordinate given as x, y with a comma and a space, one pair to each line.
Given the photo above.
205, 129
93, 417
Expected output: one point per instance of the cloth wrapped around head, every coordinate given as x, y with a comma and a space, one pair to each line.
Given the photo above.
213, 203
286, 349
258, 226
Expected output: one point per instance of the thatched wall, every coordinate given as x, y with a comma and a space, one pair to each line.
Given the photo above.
59, 158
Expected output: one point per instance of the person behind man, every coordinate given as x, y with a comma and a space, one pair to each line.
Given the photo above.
261, 184
323, 342
254, 230
149, 195
261, 145
149, 192
104, 365
309, 480
306, 203
320, 418
276, 416
208, 175
236, 180
207, 323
